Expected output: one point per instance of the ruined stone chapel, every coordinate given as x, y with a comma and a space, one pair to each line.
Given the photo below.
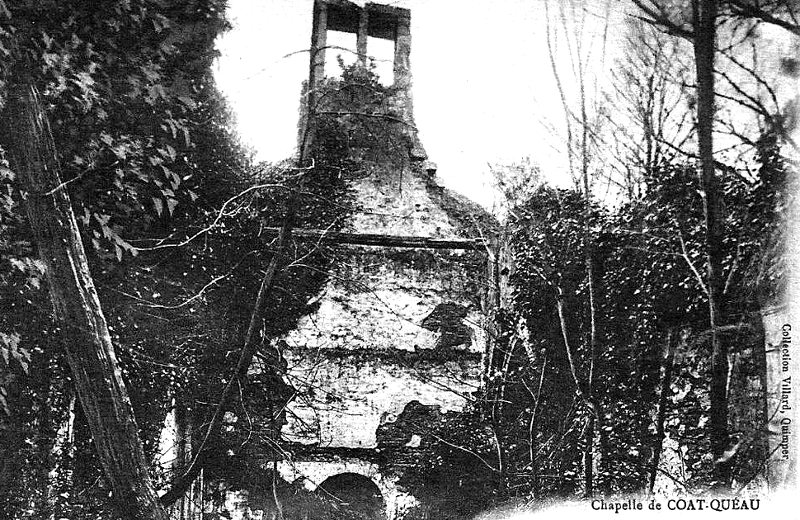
400, 324
400, 332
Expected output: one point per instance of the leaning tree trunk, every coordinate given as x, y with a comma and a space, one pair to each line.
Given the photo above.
705, 19
90, 353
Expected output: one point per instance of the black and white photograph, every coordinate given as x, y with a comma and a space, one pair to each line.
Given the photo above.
399, 260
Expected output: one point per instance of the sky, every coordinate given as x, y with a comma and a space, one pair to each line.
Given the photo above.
483, 86
482, 83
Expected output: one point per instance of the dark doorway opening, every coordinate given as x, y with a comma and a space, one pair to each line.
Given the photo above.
355, 494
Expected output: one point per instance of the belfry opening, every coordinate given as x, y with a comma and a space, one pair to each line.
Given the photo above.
375, 34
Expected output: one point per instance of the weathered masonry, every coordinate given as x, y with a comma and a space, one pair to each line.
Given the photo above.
397, 338
399, 333
371, 21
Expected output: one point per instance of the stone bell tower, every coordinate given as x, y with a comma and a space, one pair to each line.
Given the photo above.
396, 341
371, 21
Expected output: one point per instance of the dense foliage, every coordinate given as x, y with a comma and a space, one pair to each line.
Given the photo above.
173, 213
648, 263
145, 148
180, 226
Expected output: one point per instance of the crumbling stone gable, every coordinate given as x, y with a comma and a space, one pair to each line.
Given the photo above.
399, 334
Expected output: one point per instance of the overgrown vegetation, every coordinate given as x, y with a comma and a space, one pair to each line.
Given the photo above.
600, 375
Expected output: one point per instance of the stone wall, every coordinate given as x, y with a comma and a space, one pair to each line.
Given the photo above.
343, 400
398, 203
391, 326
379, 299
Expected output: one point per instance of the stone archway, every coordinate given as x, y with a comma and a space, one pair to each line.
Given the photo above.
354, 493
312, 473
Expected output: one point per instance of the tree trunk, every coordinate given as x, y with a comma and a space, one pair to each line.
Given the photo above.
705, 19
666, 377
90, 353
588, 454
533, 432
588, 459
183, 437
